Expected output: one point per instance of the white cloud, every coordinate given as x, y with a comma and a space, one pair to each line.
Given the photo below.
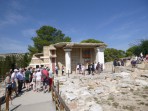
11, 18
11, 14
29, 33
9, 45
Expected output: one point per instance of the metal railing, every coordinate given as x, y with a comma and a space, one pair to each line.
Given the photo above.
59, 102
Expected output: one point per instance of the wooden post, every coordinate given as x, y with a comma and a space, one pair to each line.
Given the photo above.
7, 101
0, 103
58, 86
61, 107
68, 73
56, 102
53, 80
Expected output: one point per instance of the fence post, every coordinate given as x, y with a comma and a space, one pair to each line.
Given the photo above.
0, 103
58, 86
53, 80
7, 101
52, 91
61, 107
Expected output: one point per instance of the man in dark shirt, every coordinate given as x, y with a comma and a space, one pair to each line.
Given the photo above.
27, 79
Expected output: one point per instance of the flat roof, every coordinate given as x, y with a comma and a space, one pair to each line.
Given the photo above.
74, 45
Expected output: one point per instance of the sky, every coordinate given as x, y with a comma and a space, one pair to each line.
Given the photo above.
118, 23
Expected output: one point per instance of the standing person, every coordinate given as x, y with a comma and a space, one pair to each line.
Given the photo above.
141, 55
83, 69
8, 85
62, 70
95, 65
34, 80
98, 68
38, 80
89, 68
13, 78
93, 68
31, 70
24, 78
77, 68
27, 79
122, 62
80, 68
45, 79
20, 80
50, 78
56, 69
115, 62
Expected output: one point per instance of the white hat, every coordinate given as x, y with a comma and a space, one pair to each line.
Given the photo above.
15, 70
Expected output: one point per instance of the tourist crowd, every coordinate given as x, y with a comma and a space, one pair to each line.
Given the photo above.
90, 68
36, 79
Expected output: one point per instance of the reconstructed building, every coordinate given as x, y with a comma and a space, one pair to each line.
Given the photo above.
69, 54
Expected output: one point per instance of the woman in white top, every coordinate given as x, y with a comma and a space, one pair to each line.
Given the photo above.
34, 80
83, 69
38, 79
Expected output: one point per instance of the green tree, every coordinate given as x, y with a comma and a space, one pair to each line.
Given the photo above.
26, 60
136, 49
2, 59
110, 54
7, 64
132, 51
47, 35
144, 46
91, 41
14, 62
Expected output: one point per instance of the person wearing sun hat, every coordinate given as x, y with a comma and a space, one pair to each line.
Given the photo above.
20, 77
14, 78
38, 80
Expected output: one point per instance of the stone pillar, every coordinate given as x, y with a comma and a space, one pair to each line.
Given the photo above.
100, 55
81, 60
68, 60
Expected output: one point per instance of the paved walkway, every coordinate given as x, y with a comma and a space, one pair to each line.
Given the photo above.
33, 101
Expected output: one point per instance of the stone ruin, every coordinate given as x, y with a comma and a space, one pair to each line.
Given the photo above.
124, 90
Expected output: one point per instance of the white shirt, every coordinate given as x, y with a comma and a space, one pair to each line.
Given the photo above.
50, 74
95, 65
38, 76
13, 76
83, 67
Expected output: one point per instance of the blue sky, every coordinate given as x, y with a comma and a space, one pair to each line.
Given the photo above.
118, 23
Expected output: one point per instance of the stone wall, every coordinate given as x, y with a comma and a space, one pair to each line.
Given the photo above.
36, 61
46, 51
46, 60
75, 58
93, 55
60, 60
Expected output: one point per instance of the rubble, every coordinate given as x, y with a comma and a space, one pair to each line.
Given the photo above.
107, 91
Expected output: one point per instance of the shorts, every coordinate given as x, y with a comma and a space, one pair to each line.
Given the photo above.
14, 85
45, 82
